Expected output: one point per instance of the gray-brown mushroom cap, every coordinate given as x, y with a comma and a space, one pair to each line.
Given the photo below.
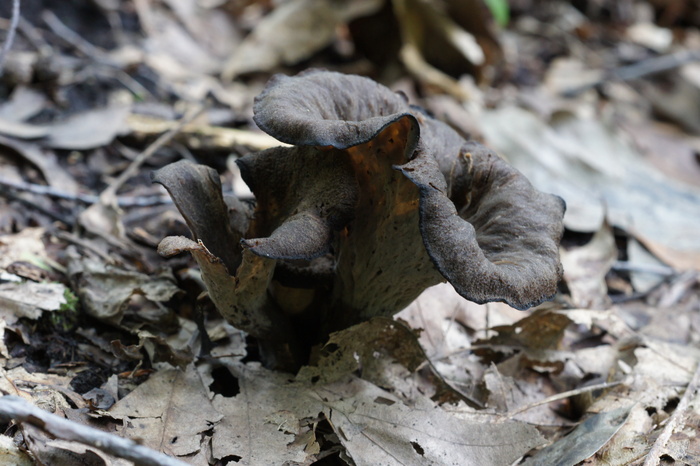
324, 108
483, 226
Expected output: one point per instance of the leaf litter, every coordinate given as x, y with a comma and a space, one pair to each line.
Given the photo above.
603, 374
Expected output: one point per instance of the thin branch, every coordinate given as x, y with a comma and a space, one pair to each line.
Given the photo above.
106, 64
138, 201
10, 195
638, 70
562, 396
10, 33
662, 270
71, 37
14, 407
111, 191
690, 393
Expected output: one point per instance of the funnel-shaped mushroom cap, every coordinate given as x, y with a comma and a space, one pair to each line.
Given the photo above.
400, 199
321, 108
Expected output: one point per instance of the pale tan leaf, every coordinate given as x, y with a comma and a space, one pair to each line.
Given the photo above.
585, 268
584, 441
600, 176
375, 433
25, 245
168, 412
30, 299
375, 427
11, 453
90, 129
105, 290
293, 32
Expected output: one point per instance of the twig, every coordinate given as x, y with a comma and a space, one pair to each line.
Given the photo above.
10, 33
33, 205
97, 55
71, 37
111, 191
562, 396
690, 392
644, 268
639, 70
145, 201
14, 407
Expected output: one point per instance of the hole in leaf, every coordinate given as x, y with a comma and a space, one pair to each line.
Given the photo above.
331, 348
383, 401
418, 448
329, 443
230, 459
671, 404
173, 440
224, 384
252, 350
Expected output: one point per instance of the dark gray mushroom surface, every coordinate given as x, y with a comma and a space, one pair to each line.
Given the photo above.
373, 202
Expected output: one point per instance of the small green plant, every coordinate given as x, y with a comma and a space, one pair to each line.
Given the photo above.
500, 11
66, 317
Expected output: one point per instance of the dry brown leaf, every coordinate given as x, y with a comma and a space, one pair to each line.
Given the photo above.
64, 452
260, 423
169, 412
584, 441
374, 426
24, 103
185, 41
660, 374
293, 32
25, 245
677, 101
106, 290
668, 148
647, 270
18, 381
46, 161
439, 311
21, 130
600, 176
10, 453
90, 129
585, 268
362, 347
508, 394
30, 299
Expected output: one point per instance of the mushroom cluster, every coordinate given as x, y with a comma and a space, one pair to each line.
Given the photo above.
373, 202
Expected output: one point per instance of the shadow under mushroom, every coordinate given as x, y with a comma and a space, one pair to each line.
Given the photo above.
374, 202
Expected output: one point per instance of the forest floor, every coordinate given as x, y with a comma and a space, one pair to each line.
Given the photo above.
595, 101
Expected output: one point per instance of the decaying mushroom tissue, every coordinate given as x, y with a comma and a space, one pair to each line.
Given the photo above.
373, 202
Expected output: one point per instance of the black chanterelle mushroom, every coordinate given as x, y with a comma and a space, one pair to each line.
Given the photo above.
374, 202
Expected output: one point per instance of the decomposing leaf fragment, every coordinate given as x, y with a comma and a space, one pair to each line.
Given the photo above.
360, 345
584, 441
105, 291
168, 412
262, 424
